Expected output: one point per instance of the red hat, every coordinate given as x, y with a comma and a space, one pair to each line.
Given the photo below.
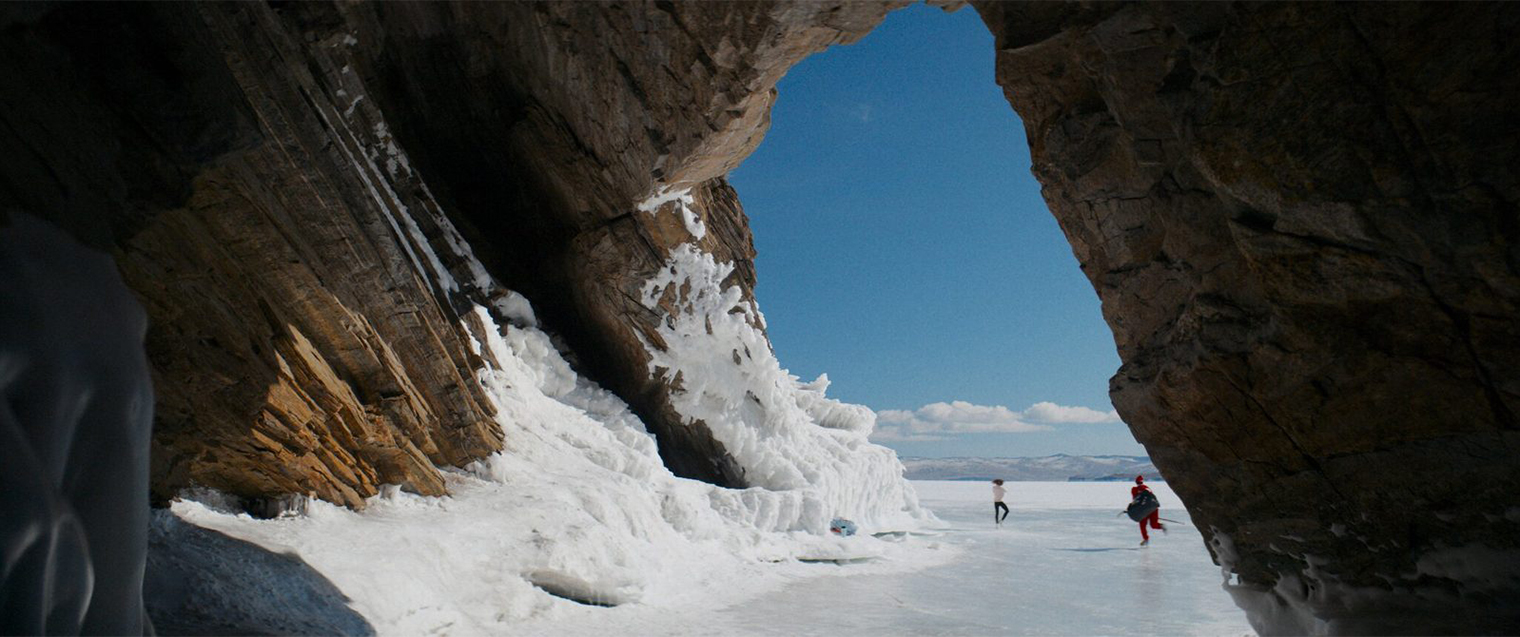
1140, 479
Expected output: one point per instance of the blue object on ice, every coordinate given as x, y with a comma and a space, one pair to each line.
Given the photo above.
841, 526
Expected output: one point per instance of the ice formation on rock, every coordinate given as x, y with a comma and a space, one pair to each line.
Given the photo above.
787, 436
577, 507
579, 504
683, 200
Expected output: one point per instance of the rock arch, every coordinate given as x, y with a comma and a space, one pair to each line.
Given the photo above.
1300, 220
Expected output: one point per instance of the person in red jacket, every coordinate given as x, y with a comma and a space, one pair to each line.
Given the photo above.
1154, 519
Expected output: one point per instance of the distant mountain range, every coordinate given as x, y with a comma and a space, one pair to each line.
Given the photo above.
1057, 468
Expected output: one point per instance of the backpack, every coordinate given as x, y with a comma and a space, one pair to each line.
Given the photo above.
1144, 505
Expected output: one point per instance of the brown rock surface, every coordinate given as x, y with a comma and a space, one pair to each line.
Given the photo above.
1301, 220
239, 159
296, 344
560, 118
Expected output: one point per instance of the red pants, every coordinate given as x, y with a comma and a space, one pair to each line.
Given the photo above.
1155, 521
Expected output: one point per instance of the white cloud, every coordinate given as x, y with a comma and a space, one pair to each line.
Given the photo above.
1053, 413
940, 421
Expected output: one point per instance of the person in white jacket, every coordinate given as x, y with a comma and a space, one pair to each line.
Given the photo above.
997, 501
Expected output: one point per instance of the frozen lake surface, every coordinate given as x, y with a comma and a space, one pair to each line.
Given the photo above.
1062, 564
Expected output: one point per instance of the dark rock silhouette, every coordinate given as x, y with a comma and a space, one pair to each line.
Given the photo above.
202, 582
1302, 222
76, 409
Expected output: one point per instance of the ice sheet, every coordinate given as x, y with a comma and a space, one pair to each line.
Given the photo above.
1062, 564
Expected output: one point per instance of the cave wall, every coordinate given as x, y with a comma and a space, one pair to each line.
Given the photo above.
1301, 220
297, 344
257, 169
561, 118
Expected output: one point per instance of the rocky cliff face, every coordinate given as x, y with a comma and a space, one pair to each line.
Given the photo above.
1301, 220
298, 345
545, 126
258, 171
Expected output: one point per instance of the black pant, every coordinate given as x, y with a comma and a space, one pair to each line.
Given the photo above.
999, 506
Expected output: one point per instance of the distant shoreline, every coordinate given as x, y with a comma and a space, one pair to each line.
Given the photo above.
1055, 468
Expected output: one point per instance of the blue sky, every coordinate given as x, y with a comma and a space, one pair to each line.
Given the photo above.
904, 249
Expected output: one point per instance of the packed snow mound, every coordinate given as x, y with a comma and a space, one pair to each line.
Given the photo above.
791, 440
575, 589
577, 514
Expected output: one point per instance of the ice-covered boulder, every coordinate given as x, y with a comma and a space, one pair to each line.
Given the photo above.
76, 411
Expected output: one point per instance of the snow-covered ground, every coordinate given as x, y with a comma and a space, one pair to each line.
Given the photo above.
1063, 564
482, 561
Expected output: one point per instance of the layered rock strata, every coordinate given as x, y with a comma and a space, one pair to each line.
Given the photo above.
299, 340
302, 280
1301, 220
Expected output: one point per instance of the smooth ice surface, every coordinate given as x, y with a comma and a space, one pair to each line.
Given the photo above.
1062, 564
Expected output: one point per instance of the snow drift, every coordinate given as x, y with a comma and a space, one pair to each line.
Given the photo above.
577, 511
